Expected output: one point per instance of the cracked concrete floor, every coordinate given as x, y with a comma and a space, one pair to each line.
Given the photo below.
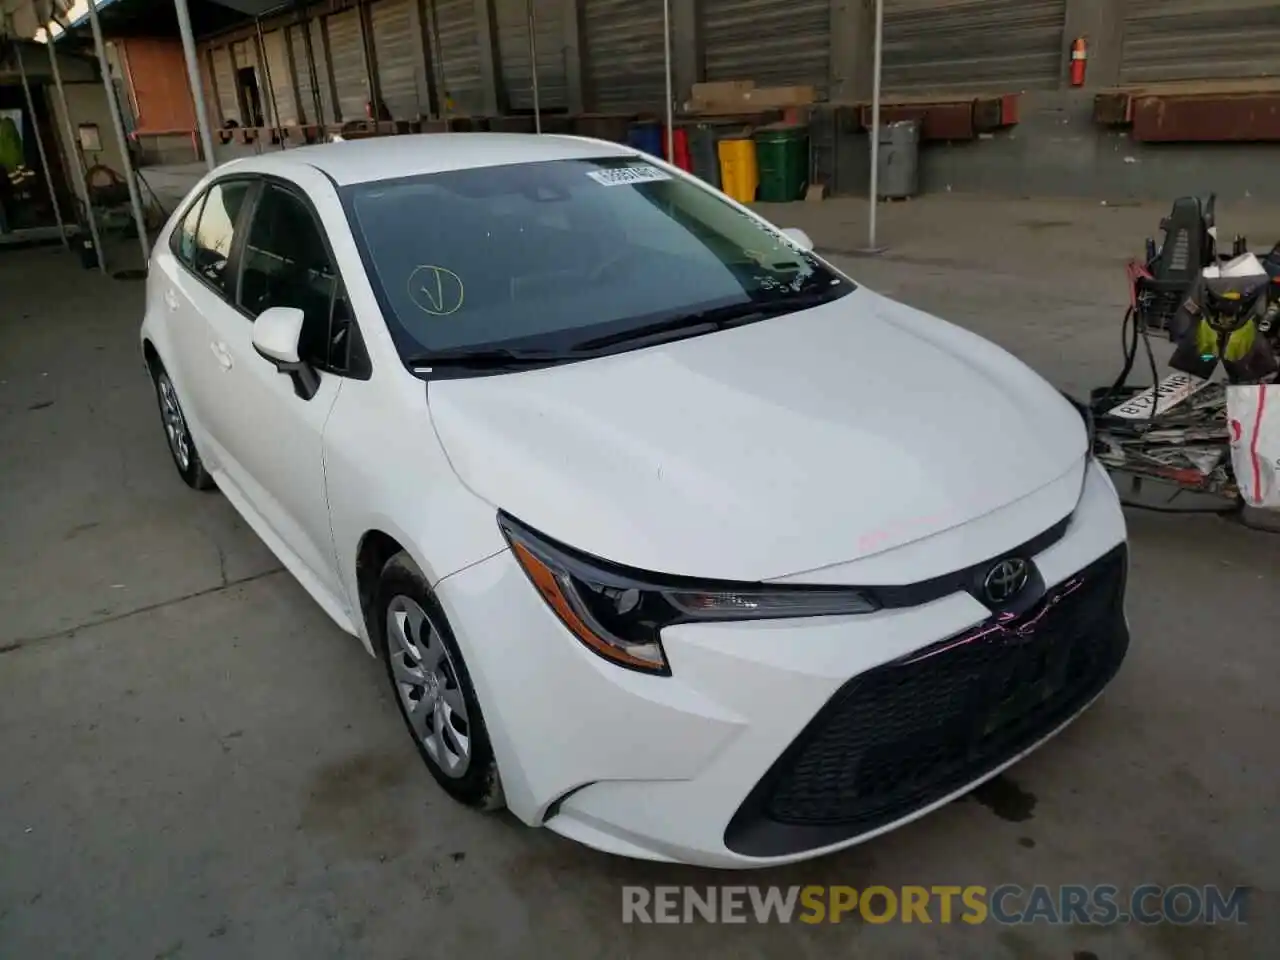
195, 763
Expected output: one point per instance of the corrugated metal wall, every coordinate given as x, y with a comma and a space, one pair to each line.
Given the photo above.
935, 47
457, 60
394, 44
305, 95
225, 78
210, 86
769, 42
1200, 39
349, 74
623, 55
322, 68
513, 45
966, 46
281, 81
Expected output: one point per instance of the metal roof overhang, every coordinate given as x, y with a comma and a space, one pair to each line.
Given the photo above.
124, 18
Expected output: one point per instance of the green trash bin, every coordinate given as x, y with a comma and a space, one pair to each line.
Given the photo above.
782, 154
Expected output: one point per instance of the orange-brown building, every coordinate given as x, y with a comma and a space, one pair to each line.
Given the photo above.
156, 78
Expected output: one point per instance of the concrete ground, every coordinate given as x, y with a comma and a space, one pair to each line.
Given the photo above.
195, 763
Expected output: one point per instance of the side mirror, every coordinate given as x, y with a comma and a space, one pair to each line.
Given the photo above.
799, 238
276, 334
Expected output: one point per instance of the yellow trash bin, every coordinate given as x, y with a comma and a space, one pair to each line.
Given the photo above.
739, 173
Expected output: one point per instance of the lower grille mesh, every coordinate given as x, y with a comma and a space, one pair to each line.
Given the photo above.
908, 733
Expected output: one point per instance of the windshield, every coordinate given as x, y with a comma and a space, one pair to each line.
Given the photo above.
551, 256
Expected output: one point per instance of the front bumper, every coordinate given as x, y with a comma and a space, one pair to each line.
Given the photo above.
754, 751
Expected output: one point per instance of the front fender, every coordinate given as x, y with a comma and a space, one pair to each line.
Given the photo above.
385, 470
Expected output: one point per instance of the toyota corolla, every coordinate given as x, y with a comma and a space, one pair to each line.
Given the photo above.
672, 537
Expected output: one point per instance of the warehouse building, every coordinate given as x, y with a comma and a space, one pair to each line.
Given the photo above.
328, 64
605, 55
1172, 96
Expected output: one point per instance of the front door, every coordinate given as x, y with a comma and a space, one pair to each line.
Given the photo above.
271, 439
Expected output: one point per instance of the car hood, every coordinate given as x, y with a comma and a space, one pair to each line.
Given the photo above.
791, 444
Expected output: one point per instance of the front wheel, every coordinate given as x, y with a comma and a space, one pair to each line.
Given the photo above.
432, 686
181, 447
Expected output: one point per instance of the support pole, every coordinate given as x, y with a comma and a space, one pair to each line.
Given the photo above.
194, 79
876, 90
874, 200
44, 159
304, 20
271, 87
666, 40
446, 95
533, 64
116, 121
69, 131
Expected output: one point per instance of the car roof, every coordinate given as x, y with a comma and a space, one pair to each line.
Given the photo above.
386, 158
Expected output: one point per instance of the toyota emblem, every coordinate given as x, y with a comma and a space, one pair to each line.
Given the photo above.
1005, 581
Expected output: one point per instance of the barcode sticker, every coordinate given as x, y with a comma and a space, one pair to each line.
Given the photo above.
619, 176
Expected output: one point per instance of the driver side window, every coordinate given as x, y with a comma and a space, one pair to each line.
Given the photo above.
286, 264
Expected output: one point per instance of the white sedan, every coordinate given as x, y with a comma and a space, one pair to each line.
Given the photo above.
672, 538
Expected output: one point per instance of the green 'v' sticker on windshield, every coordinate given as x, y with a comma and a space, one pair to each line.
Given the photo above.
619, 176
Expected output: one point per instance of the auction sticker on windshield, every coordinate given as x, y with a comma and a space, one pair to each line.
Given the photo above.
619, 176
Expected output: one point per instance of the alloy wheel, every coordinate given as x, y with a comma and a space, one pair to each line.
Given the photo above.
426, 682
175, 425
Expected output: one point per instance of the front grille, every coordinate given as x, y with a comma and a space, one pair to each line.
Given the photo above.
906, 734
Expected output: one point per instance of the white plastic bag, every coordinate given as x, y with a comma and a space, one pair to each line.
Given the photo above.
1253, 417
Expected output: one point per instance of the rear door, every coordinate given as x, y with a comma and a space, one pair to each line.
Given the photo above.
204, 245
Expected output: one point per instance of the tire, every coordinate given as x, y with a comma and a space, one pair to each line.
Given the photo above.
432, 687
182, 448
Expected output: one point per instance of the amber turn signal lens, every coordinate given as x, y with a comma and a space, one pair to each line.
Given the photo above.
548, 584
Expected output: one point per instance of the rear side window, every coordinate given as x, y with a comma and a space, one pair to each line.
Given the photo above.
184, 237
216, 233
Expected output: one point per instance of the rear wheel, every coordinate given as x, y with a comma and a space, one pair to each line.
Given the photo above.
181, 447
432, 687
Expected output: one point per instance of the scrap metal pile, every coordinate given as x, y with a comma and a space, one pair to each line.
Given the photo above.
1221, 312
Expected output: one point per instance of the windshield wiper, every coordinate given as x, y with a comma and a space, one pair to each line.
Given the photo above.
710, 320
688, 325
489, 359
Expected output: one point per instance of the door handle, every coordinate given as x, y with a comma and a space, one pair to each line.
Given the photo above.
221, 352
171, 300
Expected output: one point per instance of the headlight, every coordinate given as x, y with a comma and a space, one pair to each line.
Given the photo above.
618, 612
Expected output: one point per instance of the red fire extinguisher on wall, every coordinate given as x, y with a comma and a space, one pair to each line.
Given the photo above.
1079, 60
